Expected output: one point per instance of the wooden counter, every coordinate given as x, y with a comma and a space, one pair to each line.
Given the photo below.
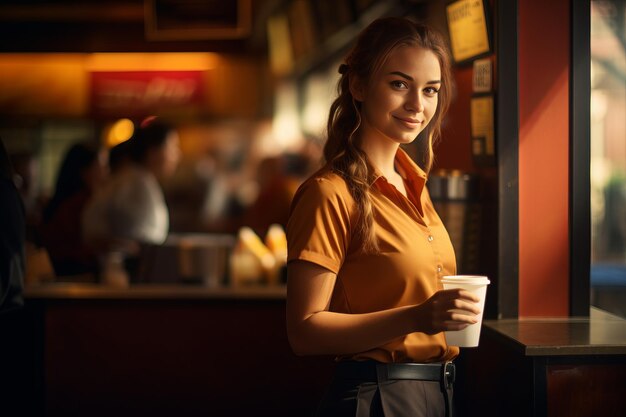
168, 350
574, 367
186, 350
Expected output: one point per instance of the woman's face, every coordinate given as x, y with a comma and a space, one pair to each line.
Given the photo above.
164, 159
401, 98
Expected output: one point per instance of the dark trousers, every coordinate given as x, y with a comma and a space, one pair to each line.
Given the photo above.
350, 397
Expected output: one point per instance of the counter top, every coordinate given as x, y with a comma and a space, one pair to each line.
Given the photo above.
599, 334
152, 291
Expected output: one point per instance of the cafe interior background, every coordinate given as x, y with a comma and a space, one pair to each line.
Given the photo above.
248, 85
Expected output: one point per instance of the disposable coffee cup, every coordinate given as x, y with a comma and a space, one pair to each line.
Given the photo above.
477, 285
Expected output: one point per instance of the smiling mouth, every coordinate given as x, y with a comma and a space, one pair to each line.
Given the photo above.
408, 121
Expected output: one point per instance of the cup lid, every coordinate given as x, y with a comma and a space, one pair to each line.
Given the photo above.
466, 279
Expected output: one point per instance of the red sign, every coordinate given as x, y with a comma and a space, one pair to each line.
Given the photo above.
139, 93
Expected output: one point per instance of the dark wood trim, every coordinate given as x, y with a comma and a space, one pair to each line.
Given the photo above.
71, 13
540, 387
507, 136
579, 116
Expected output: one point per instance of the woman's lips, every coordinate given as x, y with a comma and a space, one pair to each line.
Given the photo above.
409, 122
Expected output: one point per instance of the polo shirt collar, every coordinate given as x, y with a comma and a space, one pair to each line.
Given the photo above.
409, 170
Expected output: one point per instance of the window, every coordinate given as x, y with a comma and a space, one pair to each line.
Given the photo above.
608, 155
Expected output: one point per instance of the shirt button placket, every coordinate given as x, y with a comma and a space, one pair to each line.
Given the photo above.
430, 239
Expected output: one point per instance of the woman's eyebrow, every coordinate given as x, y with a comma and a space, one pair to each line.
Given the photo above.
401, 74
409, 78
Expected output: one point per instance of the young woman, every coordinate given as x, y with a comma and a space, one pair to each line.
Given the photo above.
366, 247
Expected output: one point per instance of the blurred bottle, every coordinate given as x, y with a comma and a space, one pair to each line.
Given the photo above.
113, 271
252, 261
276, 242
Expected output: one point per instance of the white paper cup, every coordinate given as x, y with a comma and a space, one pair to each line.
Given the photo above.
476, 284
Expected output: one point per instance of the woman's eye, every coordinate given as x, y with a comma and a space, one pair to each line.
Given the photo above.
431, 91
399, 85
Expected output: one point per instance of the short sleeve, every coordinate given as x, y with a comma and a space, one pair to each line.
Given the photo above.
319, 230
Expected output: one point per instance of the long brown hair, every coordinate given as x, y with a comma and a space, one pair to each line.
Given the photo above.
342, 150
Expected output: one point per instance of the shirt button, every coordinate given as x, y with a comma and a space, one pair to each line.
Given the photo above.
430, 238
439, 268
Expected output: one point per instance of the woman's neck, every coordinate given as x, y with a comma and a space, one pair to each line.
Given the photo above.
381, 154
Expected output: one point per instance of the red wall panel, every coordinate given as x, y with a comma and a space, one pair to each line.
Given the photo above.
544, 65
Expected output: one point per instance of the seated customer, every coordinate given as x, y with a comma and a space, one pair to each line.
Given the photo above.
131, 209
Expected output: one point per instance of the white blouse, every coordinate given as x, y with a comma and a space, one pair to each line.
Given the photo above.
131, 206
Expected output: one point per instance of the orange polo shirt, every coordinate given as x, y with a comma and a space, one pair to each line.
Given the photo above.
415, 251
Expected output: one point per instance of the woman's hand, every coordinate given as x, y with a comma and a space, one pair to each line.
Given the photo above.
447, 310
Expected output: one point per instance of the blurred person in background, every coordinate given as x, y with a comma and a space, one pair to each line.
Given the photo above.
226, 192
12, 238
26, 179
14, 348
82, 172
131, 210
119, 157
278, 179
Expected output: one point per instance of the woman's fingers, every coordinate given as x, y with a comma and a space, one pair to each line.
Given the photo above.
449, 310
460, 294
455, 301
457, 317
469, 307
460, 310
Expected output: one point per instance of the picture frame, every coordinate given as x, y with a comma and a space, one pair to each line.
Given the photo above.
482, 76
187, 20
482, 130
469, 30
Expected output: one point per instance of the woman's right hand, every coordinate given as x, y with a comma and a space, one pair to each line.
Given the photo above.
447, 310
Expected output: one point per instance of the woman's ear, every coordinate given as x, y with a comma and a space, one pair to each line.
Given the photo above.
357, 88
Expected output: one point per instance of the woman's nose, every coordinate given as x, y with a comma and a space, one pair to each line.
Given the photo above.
415, 102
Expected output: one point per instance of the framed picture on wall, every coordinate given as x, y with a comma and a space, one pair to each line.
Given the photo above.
468, 27
483, 129
192, 20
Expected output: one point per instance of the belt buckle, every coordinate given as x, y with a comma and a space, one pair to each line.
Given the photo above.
448, 376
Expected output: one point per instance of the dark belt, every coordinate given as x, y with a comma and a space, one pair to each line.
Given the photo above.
371, 371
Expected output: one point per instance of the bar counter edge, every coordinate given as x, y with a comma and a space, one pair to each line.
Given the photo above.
153, 291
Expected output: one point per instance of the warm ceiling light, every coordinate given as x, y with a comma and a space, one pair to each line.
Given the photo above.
169, 61
120, 132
